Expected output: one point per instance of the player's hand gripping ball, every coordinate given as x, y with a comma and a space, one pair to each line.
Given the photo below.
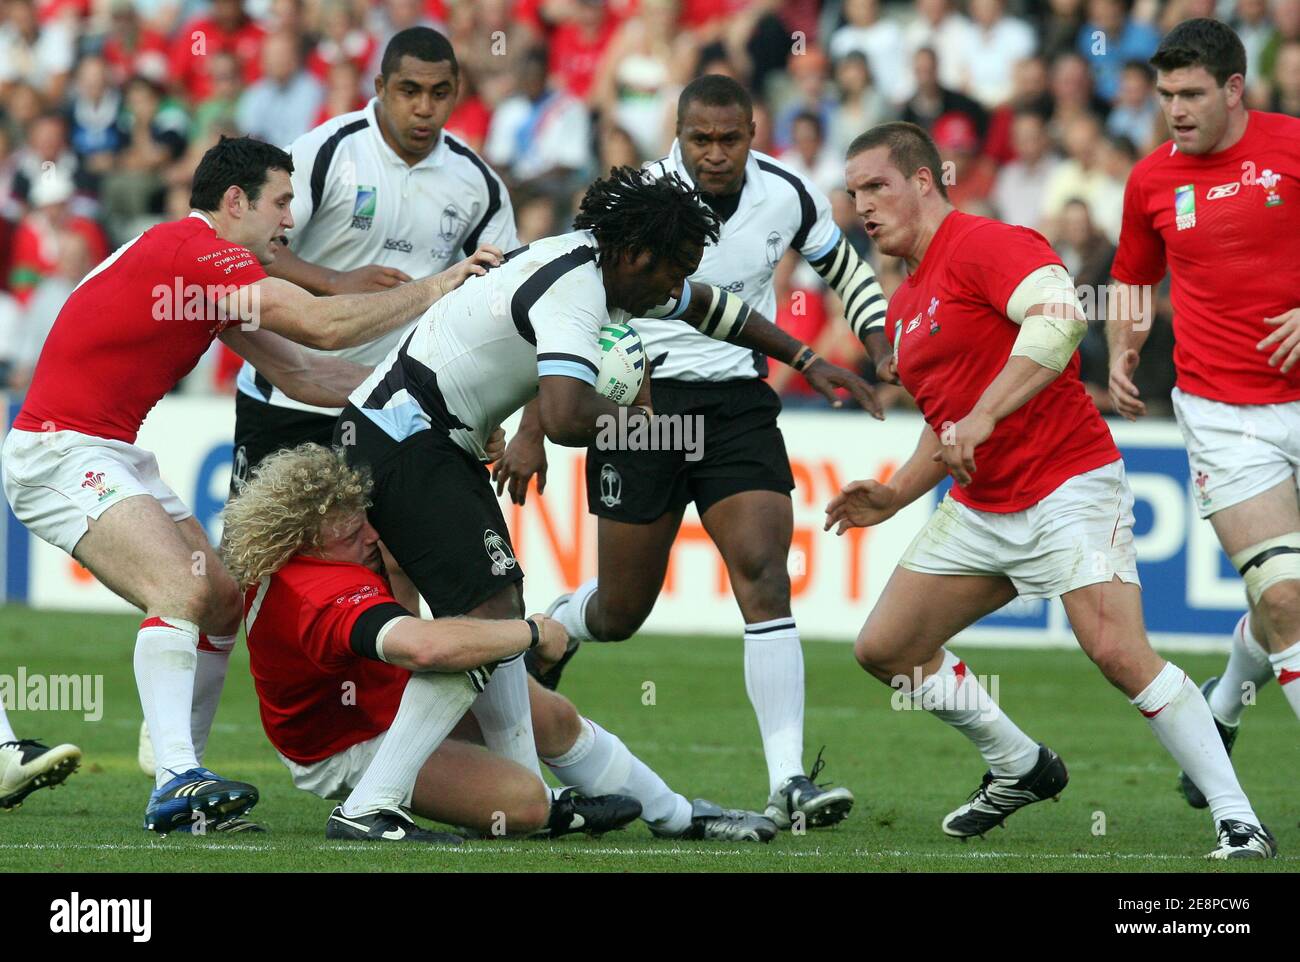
622, 363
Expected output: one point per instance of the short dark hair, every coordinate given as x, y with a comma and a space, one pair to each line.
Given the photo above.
714, 90
1202, 42
910, 149
235, 162
1143, 68
422, 43
631, 212
808, 117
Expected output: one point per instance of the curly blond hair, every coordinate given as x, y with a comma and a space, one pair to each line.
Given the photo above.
285, 507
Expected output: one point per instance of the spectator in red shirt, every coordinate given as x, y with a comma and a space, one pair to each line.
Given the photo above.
578, 44
36, 242
229, 29
343, 40
132, 48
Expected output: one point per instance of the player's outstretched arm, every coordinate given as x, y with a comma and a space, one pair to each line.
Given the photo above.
459, 644
1129, 316
309, 378
325, 282
862, 504
724, 316
344, 320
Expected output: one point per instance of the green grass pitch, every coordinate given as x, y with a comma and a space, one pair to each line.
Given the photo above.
906, 770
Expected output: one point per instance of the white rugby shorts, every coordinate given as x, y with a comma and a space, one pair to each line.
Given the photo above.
1080, 534
56, 480
1236, 451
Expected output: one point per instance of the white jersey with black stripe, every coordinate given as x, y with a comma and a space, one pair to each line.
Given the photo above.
779, 209
356, 202
475, 357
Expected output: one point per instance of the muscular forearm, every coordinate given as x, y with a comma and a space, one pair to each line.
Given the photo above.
1128, 319
345, 320
454, 644
1018, 381
878, 346
311, 277
920, 473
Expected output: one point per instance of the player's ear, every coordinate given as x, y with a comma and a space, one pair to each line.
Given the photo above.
379, 85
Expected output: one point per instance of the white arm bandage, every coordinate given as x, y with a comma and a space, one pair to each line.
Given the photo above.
1051, 334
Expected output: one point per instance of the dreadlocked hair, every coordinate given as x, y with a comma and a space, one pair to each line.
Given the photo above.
285, 507
631, 212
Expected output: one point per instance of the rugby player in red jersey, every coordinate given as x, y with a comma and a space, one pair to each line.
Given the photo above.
985, 330
1218, 208
135, 326
351, 683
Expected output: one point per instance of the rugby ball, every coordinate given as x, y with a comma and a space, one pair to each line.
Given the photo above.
622, 363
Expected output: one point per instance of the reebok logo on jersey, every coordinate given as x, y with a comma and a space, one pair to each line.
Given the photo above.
912, 325
1223, 190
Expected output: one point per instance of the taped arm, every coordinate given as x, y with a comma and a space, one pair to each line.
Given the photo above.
1051, 319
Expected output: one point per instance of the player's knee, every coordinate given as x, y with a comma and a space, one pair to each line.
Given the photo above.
873, 655
1117, 657
225, 605
1280, 605
532, 809
764, 583
616, 624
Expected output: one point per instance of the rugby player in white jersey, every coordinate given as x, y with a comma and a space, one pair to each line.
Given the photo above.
423, 419
1218, 209
380, 195
132, 328
741, 482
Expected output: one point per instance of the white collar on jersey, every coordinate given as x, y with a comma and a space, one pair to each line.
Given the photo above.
435, 158
203, 217
753, 192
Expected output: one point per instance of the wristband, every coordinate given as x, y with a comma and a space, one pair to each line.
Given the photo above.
537, 634
803, 359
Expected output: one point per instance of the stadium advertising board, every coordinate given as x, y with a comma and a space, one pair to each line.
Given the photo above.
1192, 594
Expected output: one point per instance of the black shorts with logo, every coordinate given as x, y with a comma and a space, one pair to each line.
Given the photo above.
261, 429
740, 448
436, 511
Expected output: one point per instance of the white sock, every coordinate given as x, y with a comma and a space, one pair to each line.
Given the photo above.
1247, 665
209, 679
6, 732
1180, 717
1287, 665
572, 614
598, 763
505, 716
432, 704
164, 674
954, 695
774, 681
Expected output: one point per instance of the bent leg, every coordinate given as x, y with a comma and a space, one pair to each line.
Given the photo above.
466, 785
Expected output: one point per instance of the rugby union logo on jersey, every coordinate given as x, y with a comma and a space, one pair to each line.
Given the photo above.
1269, 181
774, 251
1223, 190
363, 208
1185, 206
498, 552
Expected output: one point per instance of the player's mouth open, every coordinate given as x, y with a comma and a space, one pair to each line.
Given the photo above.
871, 227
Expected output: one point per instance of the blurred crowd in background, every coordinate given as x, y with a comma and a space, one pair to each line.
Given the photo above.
1039, 109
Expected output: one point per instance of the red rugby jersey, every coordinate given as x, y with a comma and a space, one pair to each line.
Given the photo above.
953, 337
1227, 227
317, 696
134, 327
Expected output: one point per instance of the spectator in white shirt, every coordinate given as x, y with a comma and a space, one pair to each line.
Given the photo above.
1021, 184
880, 41
949, 34
283, 105
40, 53
861, 105
1135, 111
539, 134
809, 154
1000, 42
